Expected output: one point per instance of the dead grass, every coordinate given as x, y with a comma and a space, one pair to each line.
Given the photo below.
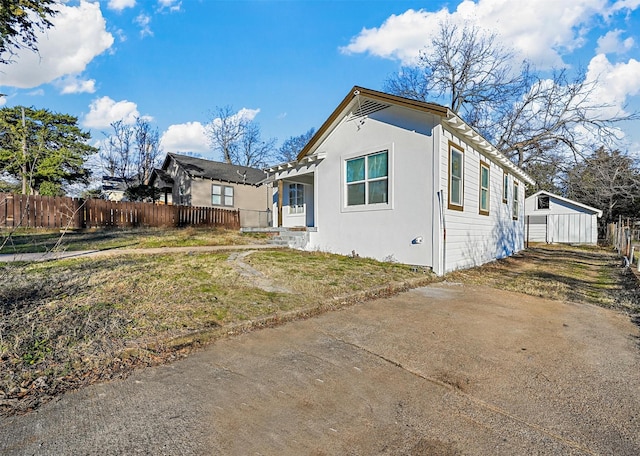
580, 274
68, 323
23, 241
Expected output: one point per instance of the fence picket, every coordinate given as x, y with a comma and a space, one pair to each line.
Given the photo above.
35, 211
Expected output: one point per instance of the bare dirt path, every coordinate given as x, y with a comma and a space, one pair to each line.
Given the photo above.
442, 370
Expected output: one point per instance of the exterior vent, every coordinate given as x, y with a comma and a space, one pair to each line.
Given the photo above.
366, 107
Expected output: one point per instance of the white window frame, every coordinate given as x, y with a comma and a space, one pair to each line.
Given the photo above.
487, 189
538, 198
505, 188
455, 205
389, 178
226, 192
296, 204
516, 200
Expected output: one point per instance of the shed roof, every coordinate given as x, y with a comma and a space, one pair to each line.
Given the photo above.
209, 169
598, 212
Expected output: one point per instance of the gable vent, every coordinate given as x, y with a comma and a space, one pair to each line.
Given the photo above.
366, 107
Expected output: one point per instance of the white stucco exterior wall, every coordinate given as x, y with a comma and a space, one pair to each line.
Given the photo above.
380, 233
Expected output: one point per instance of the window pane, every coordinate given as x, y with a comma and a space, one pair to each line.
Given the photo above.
378, 191
216, 200
355, 194
485, 177
455, 191
456, 164
355, 170
228, 191
216, 190
484, 200
377, 165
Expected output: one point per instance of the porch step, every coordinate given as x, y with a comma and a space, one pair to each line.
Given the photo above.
290, 238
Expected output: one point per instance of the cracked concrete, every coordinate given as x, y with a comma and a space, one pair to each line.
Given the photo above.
441, 370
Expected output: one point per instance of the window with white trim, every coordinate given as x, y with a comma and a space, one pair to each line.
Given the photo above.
456, 178
484, 189
221, 195
367, 179
296, 199
505, 188
516, 206
542, 202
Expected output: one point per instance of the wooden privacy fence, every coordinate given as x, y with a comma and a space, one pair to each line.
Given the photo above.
29, 211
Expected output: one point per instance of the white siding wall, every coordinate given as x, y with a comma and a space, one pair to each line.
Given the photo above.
471, 238
382, 234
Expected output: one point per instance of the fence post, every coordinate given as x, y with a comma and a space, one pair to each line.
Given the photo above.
10, 211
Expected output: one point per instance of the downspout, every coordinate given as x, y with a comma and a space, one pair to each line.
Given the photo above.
444, 231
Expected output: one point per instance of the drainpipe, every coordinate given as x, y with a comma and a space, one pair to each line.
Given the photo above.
444, 231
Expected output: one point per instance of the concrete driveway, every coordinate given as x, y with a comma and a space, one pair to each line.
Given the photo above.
441, 370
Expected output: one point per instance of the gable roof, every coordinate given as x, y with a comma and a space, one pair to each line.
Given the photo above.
209, 169
598, 212
369, 101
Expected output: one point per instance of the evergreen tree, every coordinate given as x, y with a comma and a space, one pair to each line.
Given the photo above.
43, 149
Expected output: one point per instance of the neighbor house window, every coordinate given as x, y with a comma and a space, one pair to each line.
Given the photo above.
221, 195
367, 179
456, 175
516, 207
296, 198
484, 189
543, 202
505, 188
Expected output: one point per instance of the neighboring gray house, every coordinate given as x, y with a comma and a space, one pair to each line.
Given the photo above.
198, 182
396, 179
554, 219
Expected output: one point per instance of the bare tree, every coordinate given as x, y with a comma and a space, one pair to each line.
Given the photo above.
254, 151
116, 154
464, 68
556, 117
238, 139
607, 180
131, 153
225, 130
542, 124
290, 149
147, 146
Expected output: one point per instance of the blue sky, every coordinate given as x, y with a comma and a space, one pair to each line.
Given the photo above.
289, 63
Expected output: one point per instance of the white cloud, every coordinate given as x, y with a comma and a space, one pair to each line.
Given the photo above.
187, 137
143, 20
119, 5
535, 29
616, 82
103, 111
78, 35
612, 43
73, 84
171, 5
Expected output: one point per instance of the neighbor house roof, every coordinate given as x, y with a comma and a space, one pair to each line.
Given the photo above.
163, 178
598, 212
362, 101
209, 169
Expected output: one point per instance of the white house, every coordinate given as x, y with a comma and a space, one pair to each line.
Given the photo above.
402, 180
552, 218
